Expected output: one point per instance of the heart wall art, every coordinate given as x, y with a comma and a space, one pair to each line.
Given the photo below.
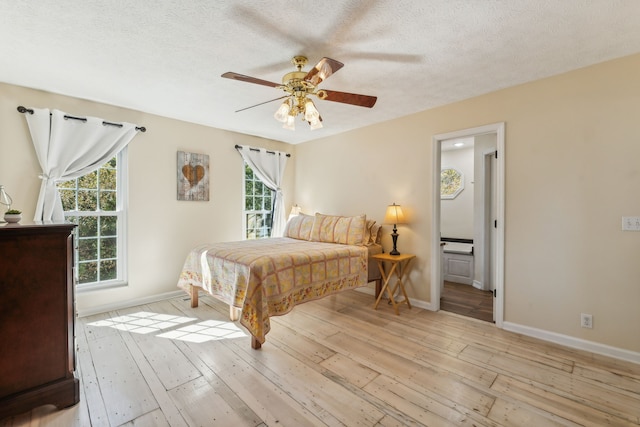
193, 176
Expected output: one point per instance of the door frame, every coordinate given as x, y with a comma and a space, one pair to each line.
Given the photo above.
436, 251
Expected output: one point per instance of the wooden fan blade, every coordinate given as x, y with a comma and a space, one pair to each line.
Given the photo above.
323, 69
248, 79
265, 102
350, 98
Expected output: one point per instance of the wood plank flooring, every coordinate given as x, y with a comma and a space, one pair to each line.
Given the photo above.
467, 301
333, 362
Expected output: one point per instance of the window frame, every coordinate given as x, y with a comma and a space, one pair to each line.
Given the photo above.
122, 205
245, 212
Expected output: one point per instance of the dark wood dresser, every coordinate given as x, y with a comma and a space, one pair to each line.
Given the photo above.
37, 318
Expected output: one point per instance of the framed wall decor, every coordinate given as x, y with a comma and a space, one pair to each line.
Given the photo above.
193, 176
451, 183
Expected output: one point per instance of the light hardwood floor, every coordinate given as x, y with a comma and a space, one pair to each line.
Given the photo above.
333, 362
467, 301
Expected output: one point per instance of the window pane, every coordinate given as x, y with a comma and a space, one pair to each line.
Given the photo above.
88, 181
87, 201
108, 247
108, 270
96, 236
88, 249
107, 179
108, 225
87, 272
251, 221
88, 226
111, 163
258, 200
108, 200
68, 200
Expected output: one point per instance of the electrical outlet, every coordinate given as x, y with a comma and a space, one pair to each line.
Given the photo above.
631, 223
586, 320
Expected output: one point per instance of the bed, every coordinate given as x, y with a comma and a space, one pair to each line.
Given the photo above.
320, 255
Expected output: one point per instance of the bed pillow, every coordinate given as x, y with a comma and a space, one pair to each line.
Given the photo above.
347, 230
367, 231
299, 227
376, 234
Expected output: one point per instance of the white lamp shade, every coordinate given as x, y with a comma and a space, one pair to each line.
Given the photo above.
290, 123
394, 215
295, 211
283, 112
310, 112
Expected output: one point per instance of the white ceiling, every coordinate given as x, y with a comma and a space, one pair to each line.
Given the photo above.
166, 56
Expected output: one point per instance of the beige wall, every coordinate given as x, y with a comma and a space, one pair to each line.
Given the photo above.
572, 171
161, 229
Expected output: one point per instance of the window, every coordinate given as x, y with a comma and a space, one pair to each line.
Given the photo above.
258, 206
95, 202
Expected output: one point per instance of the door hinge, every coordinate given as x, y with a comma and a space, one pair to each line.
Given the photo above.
496, 154
495, 293
495, 223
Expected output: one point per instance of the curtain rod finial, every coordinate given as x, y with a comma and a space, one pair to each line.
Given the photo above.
22, 109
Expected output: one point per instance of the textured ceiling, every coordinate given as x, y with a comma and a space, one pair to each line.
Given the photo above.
166, 56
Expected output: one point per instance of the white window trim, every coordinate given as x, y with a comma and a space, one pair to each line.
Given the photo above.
122, 207
244, 202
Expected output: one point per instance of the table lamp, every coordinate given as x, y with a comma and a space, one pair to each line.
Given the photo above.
295, 211
394, 216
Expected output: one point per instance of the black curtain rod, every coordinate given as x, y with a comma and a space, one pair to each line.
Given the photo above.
23, 110
238, 147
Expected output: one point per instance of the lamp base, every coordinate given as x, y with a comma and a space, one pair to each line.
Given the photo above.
394, 237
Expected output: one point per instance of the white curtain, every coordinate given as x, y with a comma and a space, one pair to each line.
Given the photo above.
70, 148
269, 168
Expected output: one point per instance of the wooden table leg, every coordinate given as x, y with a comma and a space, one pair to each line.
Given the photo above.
400, 274
385, 286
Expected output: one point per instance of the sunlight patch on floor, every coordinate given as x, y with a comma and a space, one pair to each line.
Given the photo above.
209, 330
144, 322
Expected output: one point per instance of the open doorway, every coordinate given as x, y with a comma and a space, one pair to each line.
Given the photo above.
468, 214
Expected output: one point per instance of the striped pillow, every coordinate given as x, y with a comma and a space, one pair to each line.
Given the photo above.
347, 230
299, 227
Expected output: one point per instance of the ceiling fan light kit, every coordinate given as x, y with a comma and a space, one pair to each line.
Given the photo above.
298, 85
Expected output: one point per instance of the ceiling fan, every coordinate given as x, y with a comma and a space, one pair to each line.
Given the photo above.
299, 85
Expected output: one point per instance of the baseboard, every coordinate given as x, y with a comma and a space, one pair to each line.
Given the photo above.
478, 285
129, 303
577, 343
566, 340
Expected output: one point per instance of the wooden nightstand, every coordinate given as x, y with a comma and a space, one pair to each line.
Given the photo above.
399, 264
